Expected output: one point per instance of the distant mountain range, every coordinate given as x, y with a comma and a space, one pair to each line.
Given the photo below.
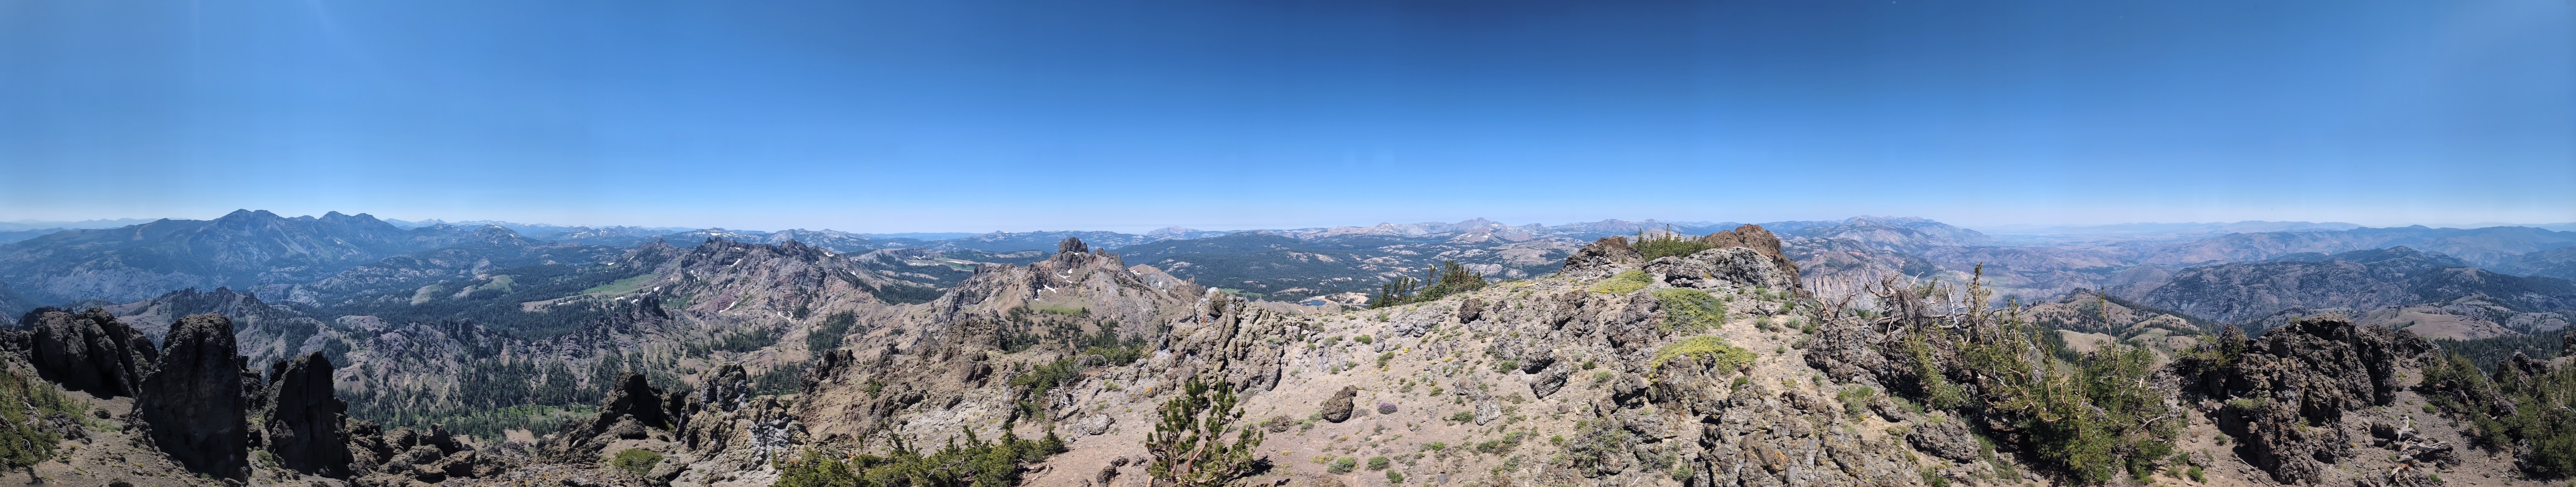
2358, 280
344, 260
243, 248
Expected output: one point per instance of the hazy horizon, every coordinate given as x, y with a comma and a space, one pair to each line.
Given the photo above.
1987, 228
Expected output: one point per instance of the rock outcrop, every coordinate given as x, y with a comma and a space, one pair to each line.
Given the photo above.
1761, 241
405, 457
634, 410
1605, 252
89, 351
2308, 373
193, 400
304, 425
1720, 267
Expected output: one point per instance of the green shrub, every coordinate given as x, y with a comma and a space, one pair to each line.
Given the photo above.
1448, 278
2091, 420
23, 401
637, 460
1502, 445
1506, 366
1856, 399
1719, 354
1379, 463
1343, 465
1670, 246
1624, 283
2540, 410
1690, 310
1394, 477
976, 462
1463, 416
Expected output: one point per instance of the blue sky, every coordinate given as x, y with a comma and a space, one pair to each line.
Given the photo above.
1129, 115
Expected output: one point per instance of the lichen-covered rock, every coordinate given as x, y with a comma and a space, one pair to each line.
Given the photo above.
89, 351
1761, 241
194, 401
1947, 438
1723, 267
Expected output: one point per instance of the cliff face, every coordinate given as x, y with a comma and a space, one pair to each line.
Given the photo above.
193, 401
90, 351
302, 423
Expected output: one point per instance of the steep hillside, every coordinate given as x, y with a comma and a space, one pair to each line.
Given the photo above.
2086, 321
2558, 263
241, 249
1284, 268
2468, 317
1904, 234
2484, 247
415, 276
2359, 280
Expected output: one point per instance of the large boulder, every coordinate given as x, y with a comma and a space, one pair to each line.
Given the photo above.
89, 351
1338, 408
305, 424
193, 401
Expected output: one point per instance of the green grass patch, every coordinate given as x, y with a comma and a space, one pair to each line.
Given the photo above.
1720, 354
1624, 283
620, 286
637, 460
1690, 310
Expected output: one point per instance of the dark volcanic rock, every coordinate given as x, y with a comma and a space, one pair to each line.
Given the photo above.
193, 401
1338, 409
633, 410
89, 351
633, 397
305, 424
2304, 374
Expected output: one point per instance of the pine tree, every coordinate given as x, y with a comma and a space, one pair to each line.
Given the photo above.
1189, 446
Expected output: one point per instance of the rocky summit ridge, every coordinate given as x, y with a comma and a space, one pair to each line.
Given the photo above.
1721, 366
